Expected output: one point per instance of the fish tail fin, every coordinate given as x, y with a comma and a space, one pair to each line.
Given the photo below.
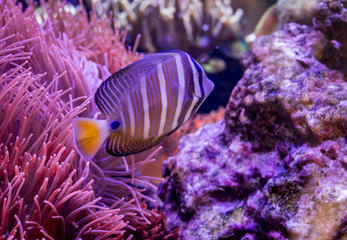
89, 135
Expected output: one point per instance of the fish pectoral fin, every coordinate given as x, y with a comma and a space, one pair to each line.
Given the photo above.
89, 135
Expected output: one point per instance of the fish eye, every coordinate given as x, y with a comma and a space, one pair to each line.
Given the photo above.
115, 124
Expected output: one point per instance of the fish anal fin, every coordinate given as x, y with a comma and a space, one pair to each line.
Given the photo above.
120, 145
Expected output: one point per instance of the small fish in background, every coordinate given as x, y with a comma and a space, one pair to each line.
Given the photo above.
142, 103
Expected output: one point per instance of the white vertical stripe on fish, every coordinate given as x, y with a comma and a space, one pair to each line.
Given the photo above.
152, 99
115, 88
145, 101
118, 82
162, 87
195, 77
104, 96
121, 142
111, 95
181, 81
117, 144
158, 108
130, 109
113, 144
171, 80
122, 120
109, 145
103, 102
137, 108
101, 105
189, 111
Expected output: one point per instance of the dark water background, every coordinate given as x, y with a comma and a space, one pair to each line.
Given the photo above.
224, 81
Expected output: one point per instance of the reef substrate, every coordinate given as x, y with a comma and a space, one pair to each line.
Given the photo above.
276, 166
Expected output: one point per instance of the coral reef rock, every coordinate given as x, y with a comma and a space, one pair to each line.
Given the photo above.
331, 19
275, 168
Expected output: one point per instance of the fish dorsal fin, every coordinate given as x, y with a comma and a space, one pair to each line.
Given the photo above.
111, 93
119, 145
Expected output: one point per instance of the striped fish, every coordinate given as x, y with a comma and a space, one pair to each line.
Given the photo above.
142, 103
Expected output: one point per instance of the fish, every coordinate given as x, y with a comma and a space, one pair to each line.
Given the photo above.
143, 103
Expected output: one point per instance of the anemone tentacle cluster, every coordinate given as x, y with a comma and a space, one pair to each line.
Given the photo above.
48, 72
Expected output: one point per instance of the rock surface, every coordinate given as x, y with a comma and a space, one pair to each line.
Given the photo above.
286, 94
331, 20
276, 167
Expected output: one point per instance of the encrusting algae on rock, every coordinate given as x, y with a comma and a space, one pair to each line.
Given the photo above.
275, 168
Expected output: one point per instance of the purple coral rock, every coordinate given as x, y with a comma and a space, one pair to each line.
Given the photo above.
287, 94
331, 19
275, 168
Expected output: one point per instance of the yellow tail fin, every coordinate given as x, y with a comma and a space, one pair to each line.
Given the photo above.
89, 135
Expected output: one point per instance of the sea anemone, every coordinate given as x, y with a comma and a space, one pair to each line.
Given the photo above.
65, 41
48, 72
43, 192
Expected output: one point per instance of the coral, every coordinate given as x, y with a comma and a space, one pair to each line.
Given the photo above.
331, 19
48, 72
212, 193
193, 26
285, 97
275, 167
